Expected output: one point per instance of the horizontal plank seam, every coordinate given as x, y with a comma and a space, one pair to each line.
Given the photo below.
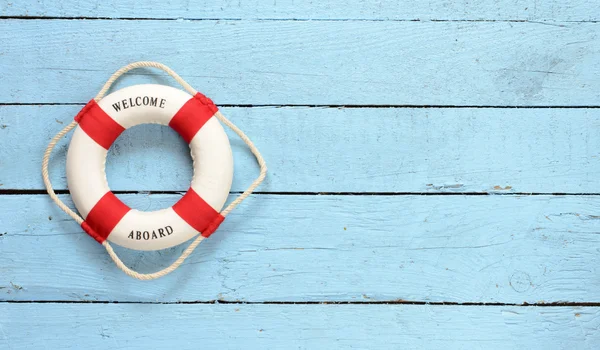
385, 302
17, 192
226, 105
282, 19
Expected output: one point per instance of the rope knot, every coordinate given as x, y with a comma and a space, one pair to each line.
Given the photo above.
207, 102
213, 226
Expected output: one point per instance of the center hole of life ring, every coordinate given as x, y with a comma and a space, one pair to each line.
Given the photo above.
149, 159
106, 216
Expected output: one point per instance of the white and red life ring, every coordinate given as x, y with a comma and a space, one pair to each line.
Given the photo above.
106, 217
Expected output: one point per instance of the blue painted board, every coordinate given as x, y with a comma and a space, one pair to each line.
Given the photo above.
156, 326
304, 62
502, 249
339, 150
550, 10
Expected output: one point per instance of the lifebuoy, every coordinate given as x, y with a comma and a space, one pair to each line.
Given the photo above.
102, 215
100, 123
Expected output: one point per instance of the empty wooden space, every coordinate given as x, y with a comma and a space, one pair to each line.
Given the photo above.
311, 62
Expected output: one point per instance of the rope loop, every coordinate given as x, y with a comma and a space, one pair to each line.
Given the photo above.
188, 251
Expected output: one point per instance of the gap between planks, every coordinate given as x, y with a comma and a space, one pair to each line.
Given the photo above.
384, 302
88, 18
224, 105
16, 192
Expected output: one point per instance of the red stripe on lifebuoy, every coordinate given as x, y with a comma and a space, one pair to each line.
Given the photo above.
104, 216
192, 116
197, 213
98, 125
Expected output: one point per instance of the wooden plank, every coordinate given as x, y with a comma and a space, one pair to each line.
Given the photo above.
340, 150
311, 62
156, 326
507, 249
552, 10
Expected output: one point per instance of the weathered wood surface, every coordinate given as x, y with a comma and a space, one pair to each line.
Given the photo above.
340, 150
286, 253
122, 326
306, 62
501, 249
550, 10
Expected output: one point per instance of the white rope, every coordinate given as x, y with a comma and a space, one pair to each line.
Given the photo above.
186, 253
47, 182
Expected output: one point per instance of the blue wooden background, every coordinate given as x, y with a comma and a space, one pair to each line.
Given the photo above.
434, 175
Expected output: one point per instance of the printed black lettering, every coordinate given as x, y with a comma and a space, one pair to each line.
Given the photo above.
154, 234
139, 101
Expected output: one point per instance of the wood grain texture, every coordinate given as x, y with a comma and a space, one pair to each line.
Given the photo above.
551, 10
304, 62
507, 249
288, 69
340, 150
94, 326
